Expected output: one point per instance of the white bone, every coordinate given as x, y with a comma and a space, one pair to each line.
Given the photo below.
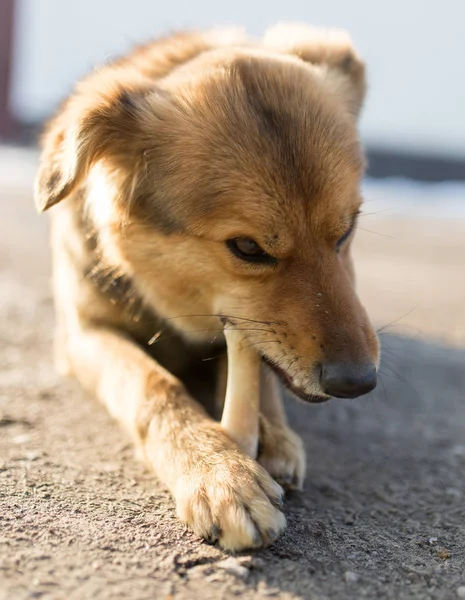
242, 402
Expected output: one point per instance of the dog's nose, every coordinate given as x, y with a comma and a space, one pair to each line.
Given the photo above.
343, 380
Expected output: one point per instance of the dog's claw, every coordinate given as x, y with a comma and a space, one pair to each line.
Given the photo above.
278, 502
296, 483
270, 536
214, 533
257, 540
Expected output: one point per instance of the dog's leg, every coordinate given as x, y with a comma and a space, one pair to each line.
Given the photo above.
281, 450
219, 491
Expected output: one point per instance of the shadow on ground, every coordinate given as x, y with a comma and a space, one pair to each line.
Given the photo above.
382, 514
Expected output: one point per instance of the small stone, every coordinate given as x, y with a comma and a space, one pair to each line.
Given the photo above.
443, 553
258, 563
251, 562
264, 590
32, 456
233, 566
453, 492
461, 591
458, 450
270, 592
350, 577
22, 439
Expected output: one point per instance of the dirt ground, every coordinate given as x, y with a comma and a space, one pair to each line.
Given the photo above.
383, 511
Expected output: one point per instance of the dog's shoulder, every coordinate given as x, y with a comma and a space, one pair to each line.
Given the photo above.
84, 281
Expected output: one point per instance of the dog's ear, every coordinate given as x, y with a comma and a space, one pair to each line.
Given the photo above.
330, 49
100, 120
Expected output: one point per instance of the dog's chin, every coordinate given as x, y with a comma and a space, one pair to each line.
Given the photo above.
289, 385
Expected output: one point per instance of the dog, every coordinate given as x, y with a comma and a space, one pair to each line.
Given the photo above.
209, 182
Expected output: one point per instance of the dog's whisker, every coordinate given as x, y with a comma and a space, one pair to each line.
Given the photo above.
381, 329
248, 329
159, 336
376, 212
385, 364
220, 315
277, 361
393, 373
384, 389
290, 366
387, 349
261, 342
376, 233
394, 334
401, 333
280, 363
376, 198
251, 345
209, 358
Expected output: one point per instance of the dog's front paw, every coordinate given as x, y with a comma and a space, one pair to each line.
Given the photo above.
282, 453
229, 498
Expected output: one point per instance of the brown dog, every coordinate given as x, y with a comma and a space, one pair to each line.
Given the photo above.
207, 182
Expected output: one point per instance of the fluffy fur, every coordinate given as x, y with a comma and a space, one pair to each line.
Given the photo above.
154, 162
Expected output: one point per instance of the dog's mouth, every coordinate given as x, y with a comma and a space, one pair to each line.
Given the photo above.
288, 383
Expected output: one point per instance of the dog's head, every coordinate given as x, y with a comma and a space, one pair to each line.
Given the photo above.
230, 189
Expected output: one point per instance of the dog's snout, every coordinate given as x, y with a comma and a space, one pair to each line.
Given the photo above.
343, 380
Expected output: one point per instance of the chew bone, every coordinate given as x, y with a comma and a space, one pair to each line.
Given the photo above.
242, 402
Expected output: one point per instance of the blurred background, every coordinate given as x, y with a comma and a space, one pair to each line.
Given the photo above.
413, 123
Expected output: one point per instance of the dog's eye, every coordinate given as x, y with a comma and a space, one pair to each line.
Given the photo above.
248, 249
346, 236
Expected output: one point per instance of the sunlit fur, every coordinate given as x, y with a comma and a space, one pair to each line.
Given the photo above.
157, 160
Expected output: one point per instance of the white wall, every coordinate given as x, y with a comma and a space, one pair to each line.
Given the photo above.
415, 50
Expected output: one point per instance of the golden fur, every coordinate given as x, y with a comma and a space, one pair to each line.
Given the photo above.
156, 161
